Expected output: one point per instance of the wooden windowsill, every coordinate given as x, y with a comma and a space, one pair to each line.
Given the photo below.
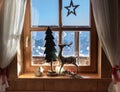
44, 76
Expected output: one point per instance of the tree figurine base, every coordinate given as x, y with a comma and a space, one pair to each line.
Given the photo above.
52, 73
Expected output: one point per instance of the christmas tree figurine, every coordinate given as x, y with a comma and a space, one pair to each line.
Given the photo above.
50, 51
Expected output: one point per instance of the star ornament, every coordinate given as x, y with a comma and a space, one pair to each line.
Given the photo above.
71, 8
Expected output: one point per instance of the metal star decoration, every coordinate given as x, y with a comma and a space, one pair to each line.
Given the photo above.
71, 8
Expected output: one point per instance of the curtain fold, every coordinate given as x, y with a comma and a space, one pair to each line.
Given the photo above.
11, 23
107, 19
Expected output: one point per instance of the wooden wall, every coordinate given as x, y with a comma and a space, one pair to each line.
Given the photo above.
59, 85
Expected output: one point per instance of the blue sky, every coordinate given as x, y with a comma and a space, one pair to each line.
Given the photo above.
45, 12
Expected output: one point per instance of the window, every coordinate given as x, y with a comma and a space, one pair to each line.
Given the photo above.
79, 29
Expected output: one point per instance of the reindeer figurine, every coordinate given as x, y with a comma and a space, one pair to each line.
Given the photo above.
65, 60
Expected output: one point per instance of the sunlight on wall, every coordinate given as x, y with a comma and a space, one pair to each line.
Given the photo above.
19, 60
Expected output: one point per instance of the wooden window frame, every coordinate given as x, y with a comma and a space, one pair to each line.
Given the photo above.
27, 67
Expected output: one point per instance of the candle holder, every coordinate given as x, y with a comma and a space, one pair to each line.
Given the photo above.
39, 72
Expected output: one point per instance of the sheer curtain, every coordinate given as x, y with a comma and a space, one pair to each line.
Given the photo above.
11, 22
107, 19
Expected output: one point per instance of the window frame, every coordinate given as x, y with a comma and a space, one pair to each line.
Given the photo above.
27, 67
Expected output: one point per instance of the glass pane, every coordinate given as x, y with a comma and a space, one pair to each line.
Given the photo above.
68, 37
84, 47
44, 12
82, 17
38, 43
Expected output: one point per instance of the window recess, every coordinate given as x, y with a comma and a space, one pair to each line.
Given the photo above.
79, 29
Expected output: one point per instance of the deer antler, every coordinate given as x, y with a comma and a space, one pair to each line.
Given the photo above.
67, 44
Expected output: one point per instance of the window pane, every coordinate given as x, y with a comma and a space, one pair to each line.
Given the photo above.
44, 12
38, 43
84, 47
82, 17
68, 37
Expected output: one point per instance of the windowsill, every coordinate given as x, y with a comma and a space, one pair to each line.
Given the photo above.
32, 76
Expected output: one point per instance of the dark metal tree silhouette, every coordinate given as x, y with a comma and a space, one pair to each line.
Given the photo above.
50, 51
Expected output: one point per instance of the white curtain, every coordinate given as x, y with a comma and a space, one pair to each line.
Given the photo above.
107, 19
11, 23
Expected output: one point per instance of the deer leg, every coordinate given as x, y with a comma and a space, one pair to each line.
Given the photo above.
60, 68
77, 67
